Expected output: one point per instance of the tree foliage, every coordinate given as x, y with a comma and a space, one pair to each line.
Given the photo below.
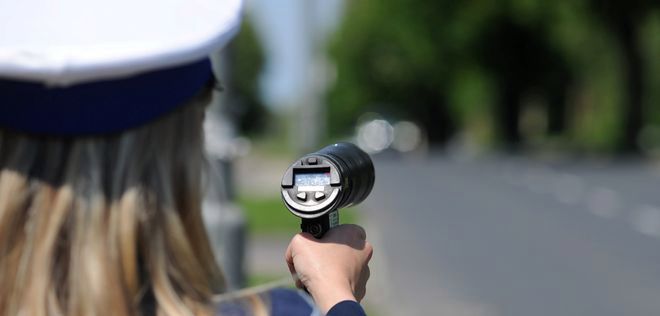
449, 64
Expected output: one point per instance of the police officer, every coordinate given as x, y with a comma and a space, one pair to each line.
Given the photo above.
101, 153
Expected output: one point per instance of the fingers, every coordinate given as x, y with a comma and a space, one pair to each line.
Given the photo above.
370, 250
295, 277
310, 260
347, 234
294, 243
361, 233
352, 229
361, 289
305, 235
288, 255
288, 258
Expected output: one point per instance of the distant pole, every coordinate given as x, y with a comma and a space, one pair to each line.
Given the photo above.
224, 220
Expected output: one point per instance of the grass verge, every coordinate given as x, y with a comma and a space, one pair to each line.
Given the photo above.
269, 216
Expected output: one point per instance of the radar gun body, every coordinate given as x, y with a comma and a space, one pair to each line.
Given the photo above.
317, 185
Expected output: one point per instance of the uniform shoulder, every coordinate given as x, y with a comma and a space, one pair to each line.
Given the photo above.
291, 302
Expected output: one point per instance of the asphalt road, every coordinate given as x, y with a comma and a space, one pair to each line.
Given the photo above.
512, 236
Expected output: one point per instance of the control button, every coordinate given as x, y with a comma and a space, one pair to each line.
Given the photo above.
312, 161
302, 196
319, 195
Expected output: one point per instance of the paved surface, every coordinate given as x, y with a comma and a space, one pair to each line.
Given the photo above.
510, 236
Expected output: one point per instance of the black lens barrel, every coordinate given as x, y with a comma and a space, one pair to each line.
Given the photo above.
355, 168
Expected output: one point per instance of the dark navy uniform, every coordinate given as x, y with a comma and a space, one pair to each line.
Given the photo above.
287, 302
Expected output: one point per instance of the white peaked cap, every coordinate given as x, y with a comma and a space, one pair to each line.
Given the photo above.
67, 42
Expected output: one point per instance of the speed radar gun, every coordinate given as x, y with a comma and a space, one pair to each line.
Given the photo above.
317, 185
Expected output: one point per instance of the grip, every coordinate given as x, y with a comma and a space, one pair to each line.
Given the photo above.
317, 227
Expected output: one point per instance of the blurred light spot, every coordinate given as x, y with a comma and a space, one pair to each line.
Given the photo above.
375, 136
646, 220
407, 136
368, 117
603, 202
568, 188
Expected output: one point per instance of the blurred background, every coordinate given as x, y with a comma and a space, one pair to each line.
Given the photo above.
516, 145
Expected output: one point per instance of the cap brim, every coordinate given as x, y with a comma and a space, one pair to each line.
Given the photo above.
67, 42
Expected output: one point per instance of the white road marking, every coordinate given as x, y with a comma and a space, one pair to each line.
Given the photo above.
603, 202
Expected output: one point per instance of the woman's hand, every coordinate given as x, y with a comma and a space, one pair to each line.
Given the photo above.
333, 268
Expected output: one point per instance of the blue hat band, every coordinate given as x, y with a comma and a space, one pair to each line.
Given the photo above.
100, 107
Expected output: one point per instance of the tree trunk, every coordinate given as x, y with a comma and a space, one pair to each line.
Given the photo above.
634, 81
435, 116
557, 113
508, 113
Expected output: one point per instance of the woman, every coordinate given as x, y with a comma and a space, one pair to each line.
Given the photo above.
100, 162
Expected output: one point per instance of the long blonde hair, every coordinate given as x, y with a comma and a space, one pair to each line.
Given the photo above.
106, 224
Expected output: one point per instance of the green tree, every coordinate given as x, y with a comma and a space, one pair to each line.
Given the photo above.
391, 57
520, 57
422, 60
403, 57
624, 19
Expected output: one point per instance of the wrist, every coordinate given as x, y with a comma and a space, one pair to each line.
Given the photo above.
327, 296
